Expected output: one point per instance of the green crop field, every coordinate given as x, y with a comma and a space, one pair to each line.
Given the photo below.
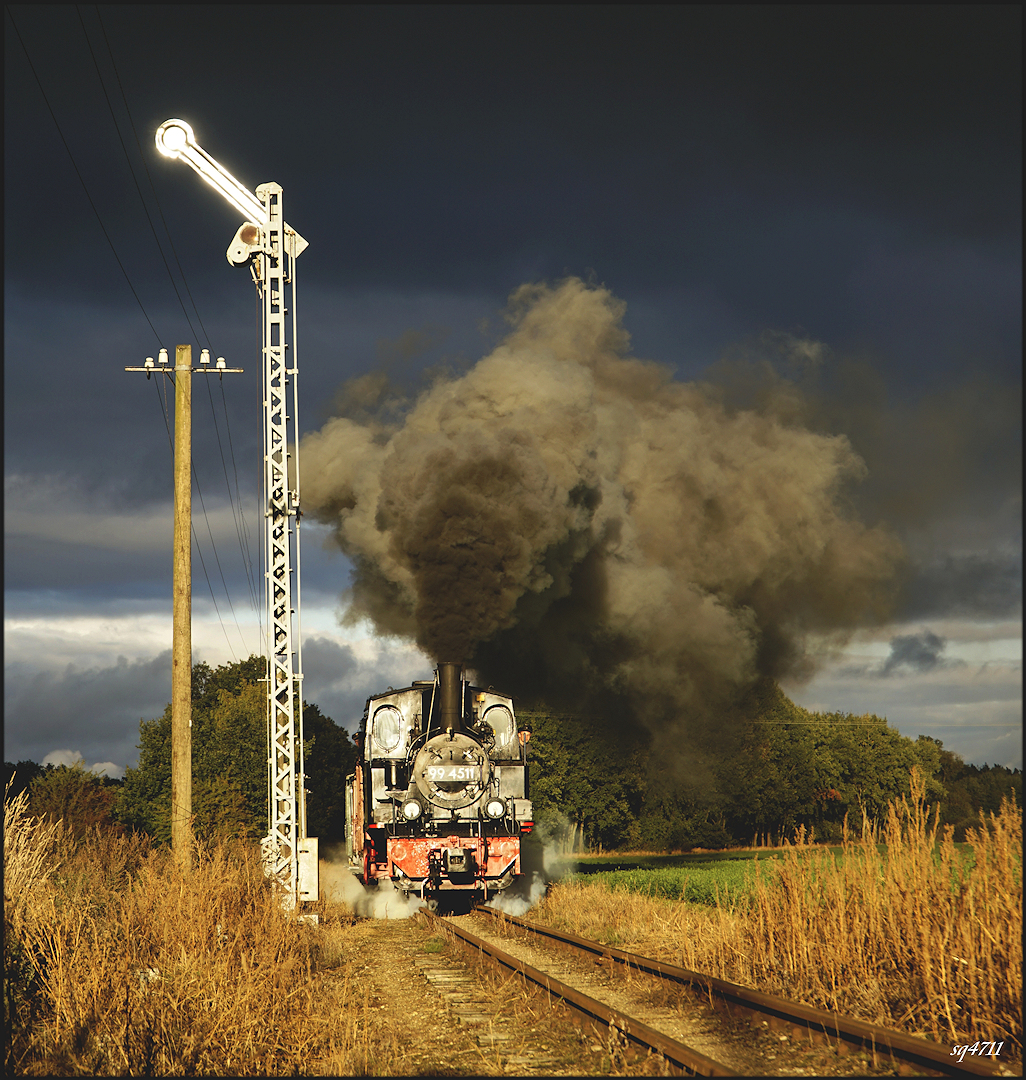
702, 877
697, 878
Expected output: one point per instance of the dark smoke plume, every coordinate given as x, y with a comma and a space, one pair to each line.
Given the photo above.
567, 515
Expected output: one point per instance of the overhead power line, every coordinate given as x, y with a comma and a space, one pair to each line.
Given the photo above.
238, 514
124, 150
78, 173
241, 528
240, 531
146, 169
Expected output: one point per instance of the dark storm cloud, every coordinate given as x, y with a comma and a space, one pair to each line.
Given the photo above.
327, 667
778, 164
32, 563
340, 683
95, 711
106, 537
105, 598
921, 653
101, 442
973, 586
489, 146
916, 652
848, 175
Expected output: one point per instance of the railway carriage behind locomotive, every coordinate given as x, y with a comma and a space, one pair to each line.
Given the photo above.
439, 799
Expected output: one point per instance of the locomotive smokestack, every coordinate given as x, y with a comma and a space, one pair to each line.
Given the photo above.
449, 704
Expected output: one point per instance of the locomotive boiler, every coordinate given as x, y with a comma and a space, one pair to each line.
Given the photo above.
439, 799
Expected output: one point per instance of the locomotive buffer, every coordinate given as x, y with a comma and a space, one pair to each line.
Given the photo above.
269, 247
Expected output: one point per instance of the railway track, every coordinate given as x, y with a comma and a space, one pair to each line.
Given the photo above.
789, 1020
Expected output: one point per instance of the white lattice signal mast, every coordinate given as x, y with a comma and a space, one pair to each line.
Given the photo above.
270, 247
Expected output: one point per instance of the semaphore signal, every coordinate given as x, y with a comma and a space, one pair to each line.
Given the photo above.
269, 247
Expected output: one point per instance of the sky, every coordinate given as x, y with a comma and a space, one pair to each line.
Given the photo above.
844, 177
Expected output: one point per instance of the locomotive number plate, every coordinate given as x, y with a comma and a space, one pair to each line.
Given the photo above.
448, 773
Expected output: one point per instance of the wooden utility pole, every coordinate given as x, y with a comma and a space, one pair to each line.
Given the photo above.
181, 662
181, 645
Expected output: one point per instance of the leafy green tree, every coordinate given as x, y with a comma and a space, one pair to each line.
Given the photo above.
229, 761
777, 776
79, 798
874, 760
800, 768
786, 767
145, 800
18, 776
587, 780
928, 758
671, 820
996, 783
229, 758
969, 790
207, 682
330, 757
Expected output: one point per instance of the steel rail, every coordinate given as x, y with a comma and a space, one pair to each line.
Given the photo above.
835, 1026
677, 1053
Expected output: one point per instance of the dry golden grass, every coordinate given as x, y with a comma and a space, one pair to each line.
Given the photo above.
119, 963
902, 936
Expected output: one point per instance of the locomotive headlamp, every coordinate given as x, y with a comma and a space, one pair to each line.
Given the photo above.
495, 808
412, 810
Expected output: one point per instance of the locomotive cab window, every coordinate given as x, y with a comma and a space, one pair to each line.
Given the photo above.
500, 721
387, 728
390, 723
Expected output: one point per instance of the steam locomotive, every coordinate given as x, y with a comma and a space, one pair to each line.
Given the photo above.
439, 799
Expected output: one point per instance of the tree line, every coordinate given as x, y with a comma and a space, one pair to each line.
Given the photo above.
599, 785
229, 768
593, 784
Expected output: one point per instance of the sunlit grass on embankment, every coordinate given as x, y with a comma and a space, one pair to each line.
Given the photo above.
117, 962
897, 926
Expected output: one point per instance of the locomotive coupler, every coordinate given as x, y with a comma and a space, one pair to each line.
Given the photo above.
457, 861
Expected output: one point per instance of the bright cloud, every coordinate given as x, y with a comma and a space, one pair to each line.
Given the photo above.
73, 758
